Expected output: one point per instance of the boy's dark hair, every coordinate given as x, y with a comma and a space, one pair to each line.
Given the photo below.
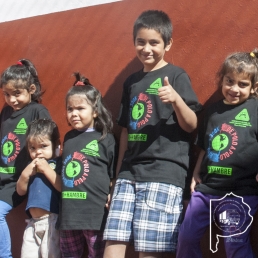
23, 74
43, 127
156, 20
240, 62
103, 122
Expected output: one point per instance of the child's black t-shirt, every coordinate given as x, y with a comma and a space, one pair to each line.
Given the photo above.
229, 137
157, 146
14, 156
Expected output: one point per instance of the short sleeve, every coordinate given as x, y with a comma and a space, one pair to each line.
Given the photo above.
43, 113
182, 85
201, 134
5, 114
124, 106
58, 168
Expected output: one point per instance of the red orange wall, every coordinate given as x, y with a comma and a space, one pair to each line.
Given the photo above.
97, 41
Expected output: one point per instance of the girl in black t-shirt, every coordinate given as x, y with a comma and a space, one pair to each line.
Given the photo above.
88, 168
224, 188
22, 92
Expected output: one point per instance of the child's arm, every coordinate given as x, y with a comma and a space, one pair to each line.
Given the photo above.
122, 148
23, 181
111, 186
44, 168
186, 117
196, 174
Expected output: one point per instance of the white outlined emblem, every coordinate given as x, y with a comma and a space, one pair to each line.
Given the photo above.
230, 215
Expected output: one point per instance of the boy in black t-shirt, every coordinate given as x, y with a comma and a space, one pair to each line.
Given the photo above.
157, 115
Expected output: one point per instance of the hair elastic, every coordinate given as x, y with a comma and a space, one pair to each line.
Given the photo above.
79, 83
252, 54
19, 63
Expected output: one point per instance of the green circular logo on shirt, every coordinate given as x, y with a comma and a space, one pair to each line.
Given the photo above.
138, 111
220, 142
73, 169
8, 148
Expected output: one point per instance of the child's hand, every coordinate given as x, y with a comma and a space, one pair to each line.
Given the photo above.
30, 170
166, 93
256, 177
41, 164
108, 202
195, 181
111, 191
23, 181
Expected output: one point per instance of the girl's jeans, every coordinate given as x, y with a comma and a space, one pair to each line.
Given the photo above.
5, 239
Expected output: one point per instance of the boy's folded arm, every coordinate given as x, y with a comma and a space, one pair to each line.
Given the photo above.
44, 168
23, 181
22, 185
54, 179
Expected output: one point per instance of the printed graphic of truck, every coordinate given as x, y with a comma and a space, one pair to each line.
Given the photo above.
229, 217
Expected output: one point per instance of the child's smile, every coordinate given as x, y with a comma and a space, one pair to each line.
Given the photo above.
236, 88
17, 98
150, 49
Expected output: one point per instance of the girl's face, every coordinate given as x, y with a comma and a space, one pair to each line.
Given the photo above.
80, 113
40, 147
236, 88
15, 97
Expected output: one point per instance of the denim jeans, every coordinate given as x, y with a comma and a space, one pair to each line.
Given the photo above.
5, 239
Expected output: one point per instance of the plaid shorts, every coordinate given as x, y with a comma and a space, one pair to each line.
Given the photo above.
72, 243
147, 213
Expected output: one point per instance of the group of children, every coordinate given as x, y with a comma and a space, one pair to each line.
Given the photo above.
73, 200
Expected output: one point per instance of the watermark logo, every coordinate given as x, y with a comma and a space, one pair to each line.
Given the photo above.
229, 214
